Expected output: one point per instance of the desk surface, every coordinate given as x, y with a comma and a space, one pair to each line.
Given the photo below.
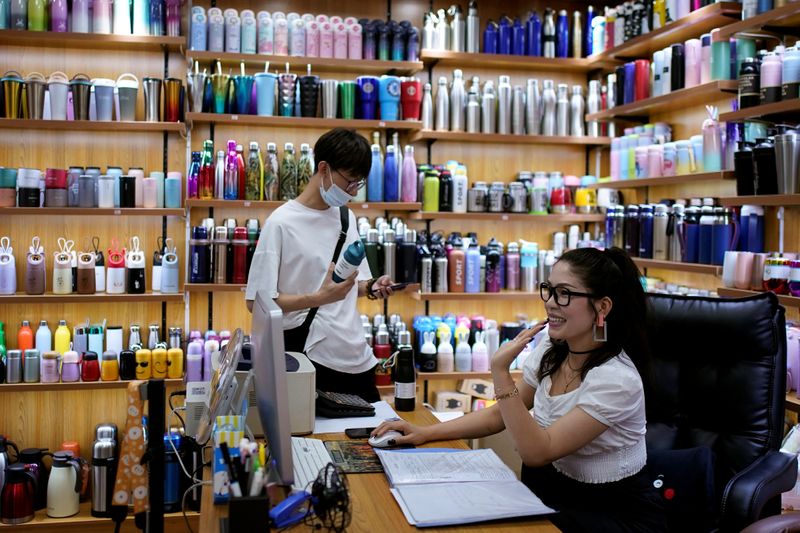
374, 508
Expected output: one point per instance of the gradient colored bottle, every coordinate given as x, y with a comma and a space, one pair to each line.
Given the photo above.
254, 187
409, 177
206, 181
231, 184
271, 173
375, 178
241, 172
288, 173
193, 176
305, 167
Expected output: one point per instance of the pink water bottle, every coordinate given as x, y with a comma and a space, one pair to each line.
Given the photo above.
80, 16
312, 39
297, 38
280, 28
655, 160
59, 16
340, 41
326, 40
354, 42
692, 50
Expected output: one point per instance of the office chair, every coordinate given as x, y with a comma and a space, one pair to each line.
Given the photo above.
716, 410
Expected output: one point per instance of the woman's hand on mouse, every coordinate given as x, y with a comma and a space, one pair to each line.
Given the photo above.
411, 434
505, 355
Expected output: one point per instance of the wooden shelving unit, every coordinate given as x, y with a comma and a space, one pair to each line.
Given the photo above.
76, 386
764, 199
676, 100
214, 287
302, 122
783, 20
79, 126
694, 268
476, 296
501, 138
695, 24
50, 298
464, 60
318, 64
766, 111
93, 41
427, 215
252, 204
786, 301
666, 180
91, 211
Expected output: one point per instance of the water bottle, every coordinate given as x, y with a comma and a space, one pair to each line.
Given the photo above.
473, 268
391, 181
44, 339
646, 232
405, 383
463, 353
375, 178
444, 354
428, 353
529, 260
480, 353
706, 229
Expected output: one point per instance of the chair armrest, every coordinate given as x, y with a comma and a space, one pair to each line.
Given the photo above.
779, 523
748, 491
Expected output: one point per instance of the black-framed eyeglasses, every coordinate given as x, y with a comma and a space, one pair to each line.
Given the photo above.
353, 186
562, 295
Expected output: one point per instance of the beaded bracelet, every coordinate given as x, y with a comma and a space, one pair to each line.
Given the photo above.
507, 395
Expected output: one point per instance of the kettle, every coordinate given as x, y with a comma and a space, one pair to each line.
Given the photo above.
33, 459
64, 487
5, 444
18, 495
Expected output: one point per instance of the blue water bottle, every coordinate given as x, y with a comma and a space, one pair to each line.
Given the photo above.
518, 47
490, 38
375, 178
706, 230
588, 37
349, 261
691, 234
562, 34
473, 278
504, 36
533, 35
391, 182
172, 474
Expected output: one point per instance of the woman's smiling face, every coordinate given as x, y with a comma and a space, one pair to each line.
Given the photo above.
572, 322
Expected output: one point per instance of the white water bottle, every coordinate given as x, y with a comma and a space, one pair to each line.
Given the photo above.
480, 353
463, 354
444, 354
44, 339
460, 185
349, 261
169, 272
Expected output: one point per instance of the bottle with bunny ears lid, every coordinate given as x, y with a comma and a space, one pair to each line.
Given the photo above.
463, 353
427, 353
480, 354
444, 359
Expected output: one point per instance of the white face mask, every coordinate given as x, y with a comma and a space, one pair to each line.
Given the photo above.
335, 196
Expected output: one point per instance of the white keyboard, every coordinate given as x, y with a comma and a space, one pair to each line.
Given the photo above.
309, 456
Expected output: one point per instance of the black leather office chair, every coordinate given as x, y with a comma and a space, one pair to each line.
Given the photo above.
719, 384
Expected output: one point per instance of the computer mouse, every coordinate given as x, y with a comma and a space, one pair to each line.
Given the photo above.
386, 440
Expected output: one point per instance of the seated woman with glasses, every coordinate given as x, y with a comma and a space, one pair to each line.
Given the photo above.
577, 416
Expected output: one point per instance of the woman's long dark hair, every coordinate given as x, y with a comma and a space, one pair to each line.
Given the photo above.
612, 273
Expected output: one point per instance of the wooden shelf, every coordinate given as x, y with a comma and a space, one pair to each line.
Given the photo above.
302, 122
80, 126
764, 199
50, 298
91, 211
666, 180
214, 287
693, 25
84, 522
318, 64
780, 20
501, 138
786, 301
439, 376
465, 60
76, 386
252, 204
477, 296
427, 215
694, 268
765, 112
792, 402
93, 41
676, 100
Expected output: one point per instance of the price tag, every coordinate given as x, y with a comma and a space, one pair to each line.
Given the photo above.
364, 206
381, 124
504, 218
117, 211
247, 203
234, 117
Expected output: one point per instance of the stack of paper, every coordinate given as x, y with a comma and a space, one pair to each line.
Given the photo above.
436, 487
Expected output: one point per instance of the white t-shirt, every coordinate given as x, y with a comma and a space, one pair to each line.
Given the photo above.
292, 256
612, 394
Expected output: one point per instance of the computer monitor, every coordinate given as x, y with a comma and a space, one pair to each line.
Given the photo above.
272, 395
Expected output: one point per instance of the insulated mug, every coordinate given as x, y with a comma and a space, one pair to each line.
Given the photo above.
309, 94
286, 89
12, 94
243, 90
152, 99
329, 98
126, 91
265, 93
103, 98
35, 87
58, 86
127, 191
172, 99
729, 269
744, 270
367, 97
389, 96
411, 98
347, 100
80, 86
197, 86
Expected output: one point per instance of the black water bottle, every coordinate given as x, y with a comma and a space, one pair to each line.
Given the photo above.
677, 69
744, 170
405, 379
766, 173
445, 191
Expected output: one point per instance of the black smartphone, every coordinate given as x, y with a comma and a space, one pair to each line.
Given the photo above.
358, 433
398, 286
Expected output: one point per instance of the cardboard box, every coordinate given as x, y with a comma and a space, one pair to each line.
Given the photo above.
452, 401
479, 388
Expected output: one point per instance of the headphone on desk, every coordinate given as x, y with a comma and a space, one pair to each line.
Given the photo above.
330, 500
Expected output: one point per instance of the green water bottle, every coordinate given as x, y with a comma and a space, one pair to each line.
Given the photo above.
37, 15
720, 56
430, 192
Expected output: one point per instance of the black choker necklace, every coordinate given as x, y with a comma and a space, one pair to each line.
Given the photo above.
573, 352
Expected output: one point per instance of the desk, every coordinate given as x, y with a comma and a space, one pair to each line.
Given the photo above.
374, 508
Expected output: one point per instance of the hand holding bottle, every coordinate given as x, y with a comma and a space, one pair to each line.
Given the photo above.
331, 291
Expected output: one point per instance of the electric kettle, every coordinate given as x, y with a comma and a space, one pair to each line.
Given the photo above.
18, 495
64, 487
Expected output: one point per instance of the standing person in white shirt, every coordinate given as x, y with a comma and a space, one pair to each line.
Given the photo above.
577, 416
294, 261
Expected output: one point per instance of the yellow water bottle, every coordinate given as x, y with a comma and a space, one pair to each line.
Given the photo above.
159, 363
174, 363
143, 364
63, 337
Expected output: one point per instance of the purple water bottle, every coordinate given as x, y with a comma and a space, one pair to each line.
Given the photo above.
59, 15
198, 255
706, 230
192, 176
562, 34
490, 38
412, 45
367, 96
398, 43
504, 36
384, 33
518, 46
194, 361
646, 232
156, 17
533, 39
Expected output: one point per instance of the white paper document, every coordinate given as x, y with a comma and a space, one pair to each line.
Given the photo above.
437, 488
383, 411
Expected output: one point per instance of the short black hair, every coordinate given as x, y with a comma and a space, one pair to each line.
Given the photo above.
344, 150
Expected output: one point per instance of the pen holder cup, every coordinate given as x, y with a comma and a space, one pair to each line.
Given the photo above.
249, 514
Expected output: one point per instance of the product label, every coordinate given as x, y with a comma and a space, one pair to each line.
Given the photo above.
405, 390
749, 85
343, 270
777, 272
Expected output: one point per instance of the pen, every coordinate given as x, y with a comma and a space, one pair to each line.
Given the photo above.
234, 480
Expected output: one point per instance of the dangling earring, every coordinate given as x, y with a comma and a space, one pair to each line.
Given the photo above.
600, 324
